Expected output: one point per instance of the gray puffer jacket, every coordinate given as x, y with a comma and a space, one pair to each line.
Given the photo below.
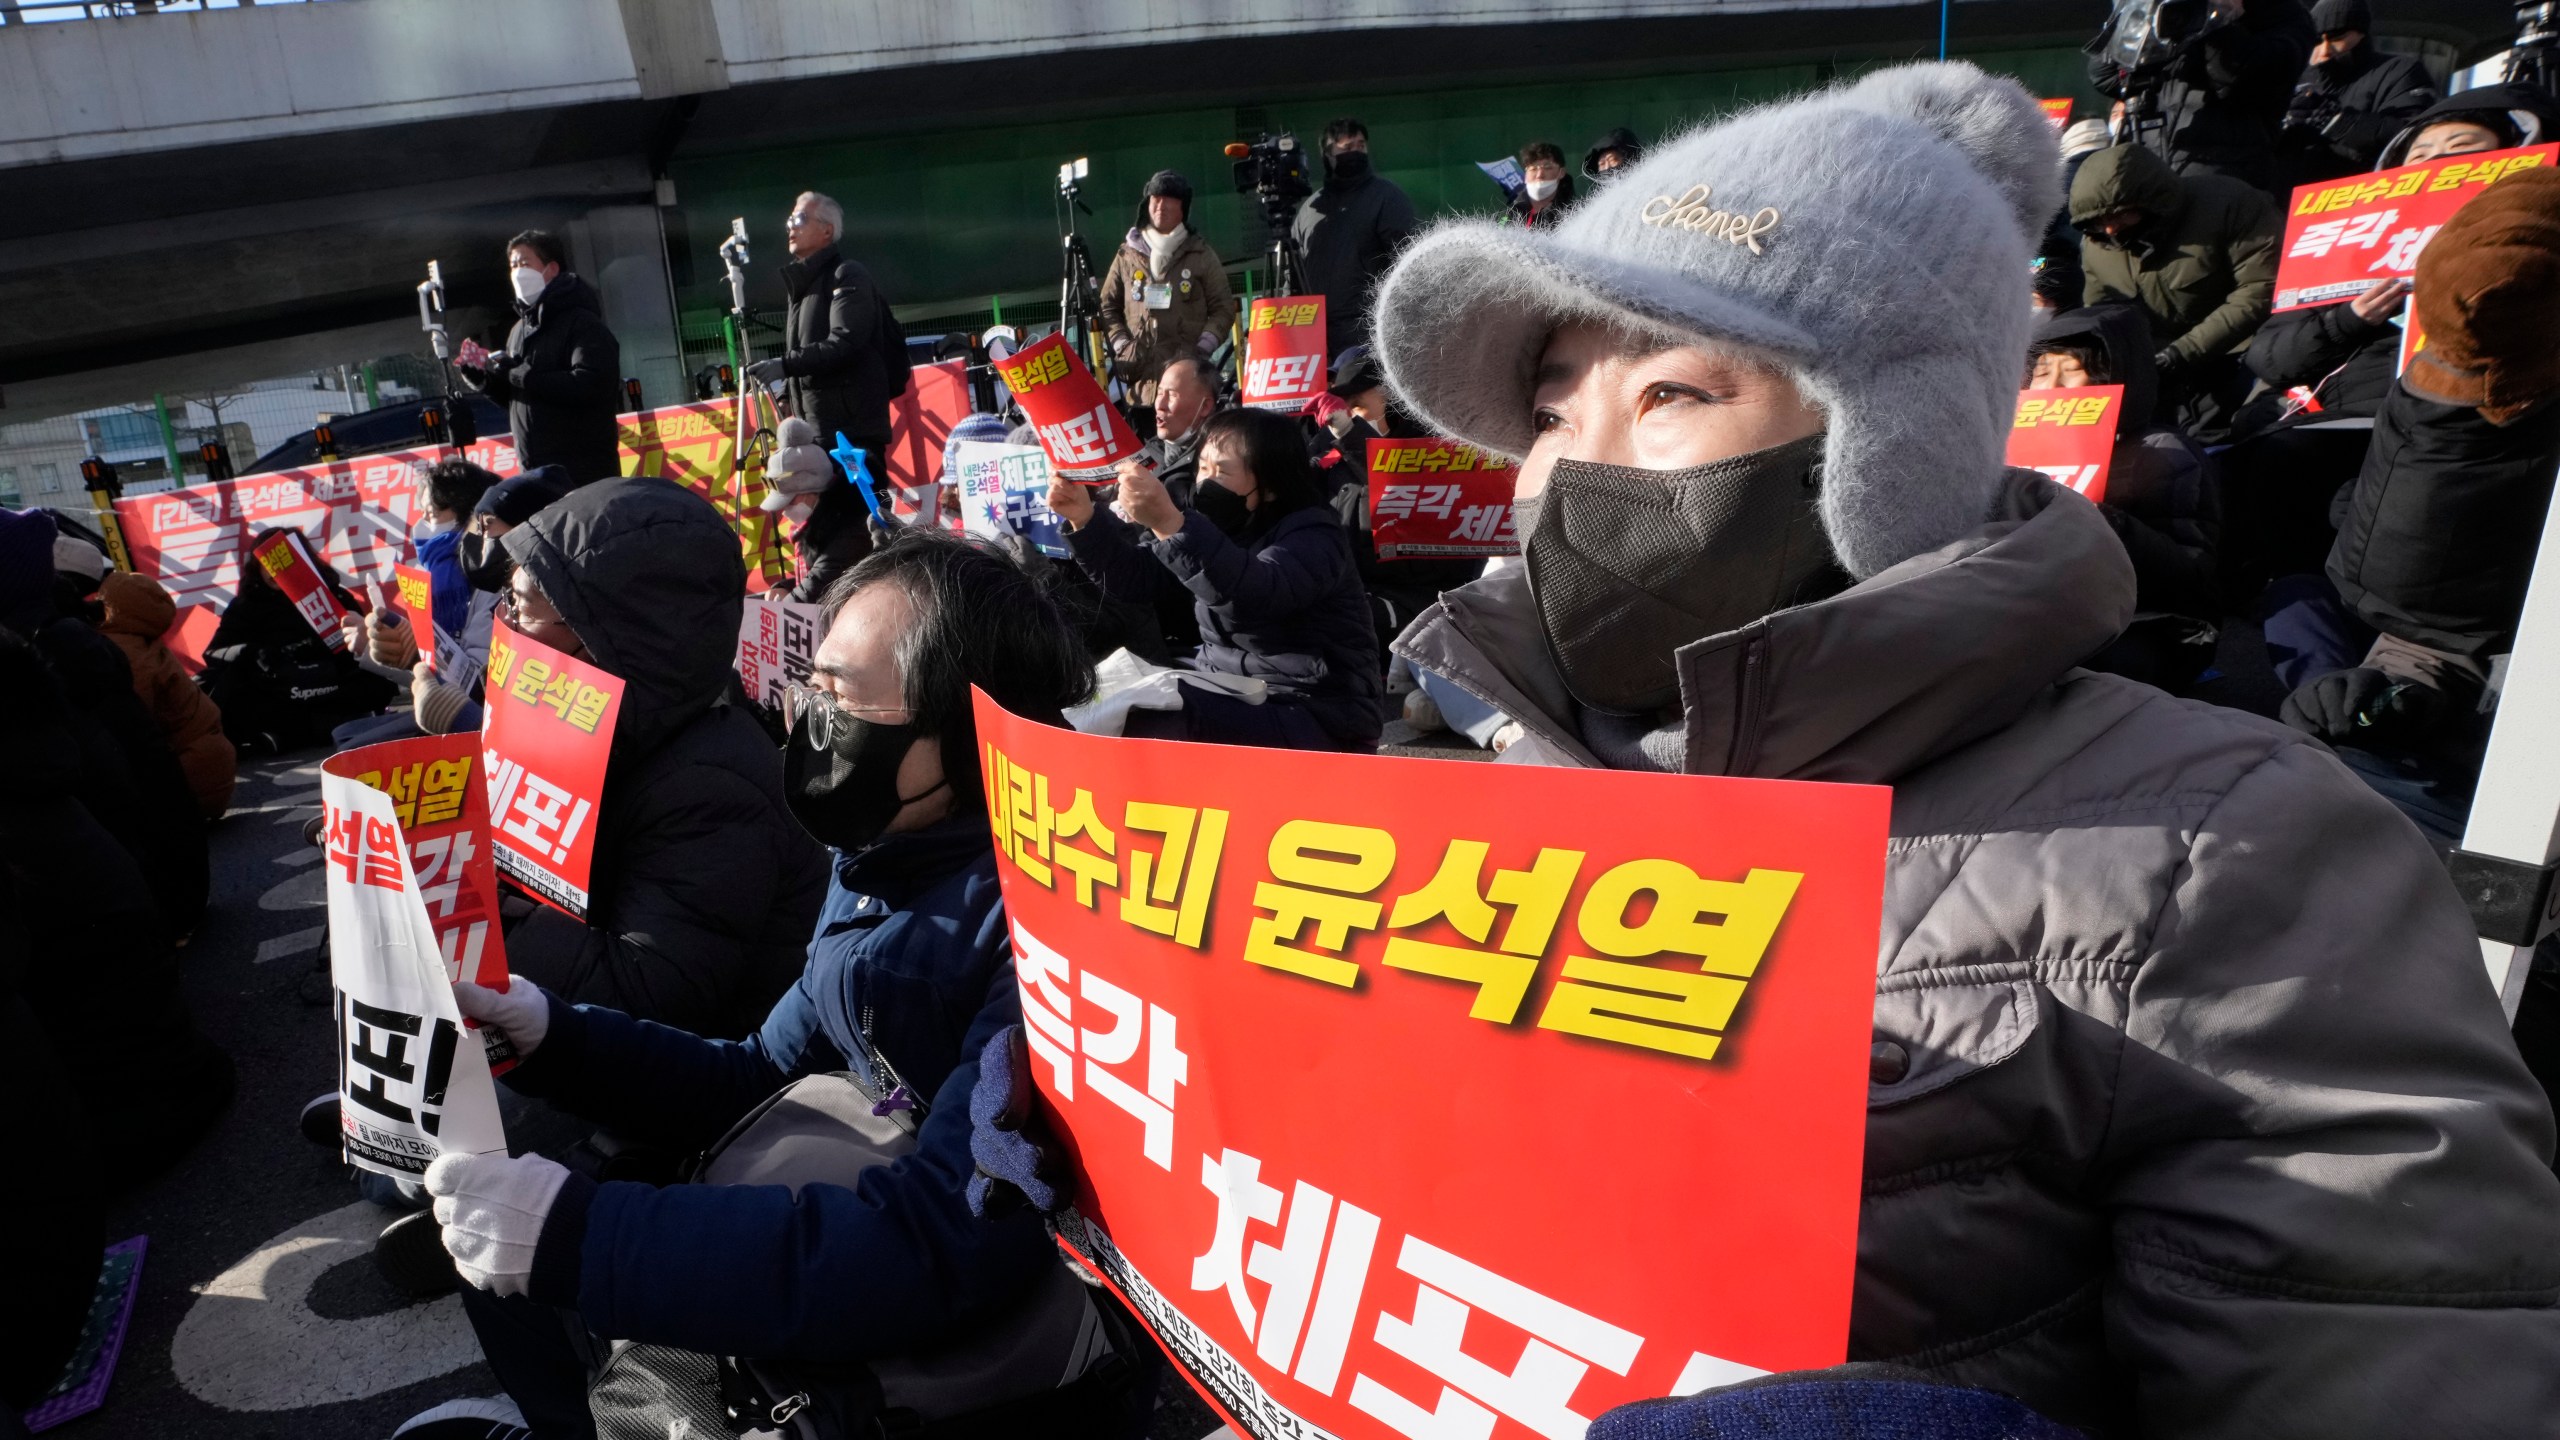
2192, 1112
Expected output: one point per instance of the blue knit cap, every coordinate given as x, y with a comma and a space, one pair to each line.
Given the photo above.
1846, 1402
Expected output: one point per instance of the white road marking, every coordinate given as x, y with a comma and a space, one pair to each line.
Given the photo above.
251, 1342
291, 945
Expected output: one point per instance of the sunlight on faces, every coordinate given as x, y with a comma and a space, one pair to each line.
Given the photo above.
1604, 397
2058, 370
1222, 464
2452, 137
1183, 400
857, 664
532, 614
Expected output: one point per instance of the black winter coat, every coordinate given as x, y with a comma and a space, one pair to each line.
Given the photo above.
1285, 606
561, 381
278, 685
2350, 362
2226, 98
2346, 111
2437, 540
101, 973
838, 376
705, 890
1350, 232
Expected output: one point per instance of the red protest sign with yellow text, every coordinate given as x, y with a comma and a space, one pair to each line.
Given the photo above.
1439, 498
1402, 1088
1084, 437
2068, 433
287, 561
1284, 353
2342, 235
547, 731
2057, 113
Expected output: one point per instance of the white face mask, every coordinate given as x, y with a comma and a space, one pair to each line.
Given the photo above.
428, 528
1543, 191
528, 282
800, 509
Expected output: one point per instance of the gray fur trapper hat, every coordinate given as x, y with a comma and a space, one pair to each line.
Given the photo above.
1872, 239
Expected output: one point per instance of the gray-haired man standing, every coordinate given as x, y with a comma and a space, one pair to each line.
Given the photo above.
842, 354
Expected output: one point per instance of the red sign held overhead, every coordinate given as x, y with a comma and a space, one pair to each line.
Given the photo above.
1367, 1063
1084, 437
2068, 433
1439, 498
548, 732
2342, 235
1284, 353
287, 561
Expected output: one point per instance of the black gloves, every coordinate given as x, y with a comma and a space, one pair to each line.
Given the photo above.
2361, 707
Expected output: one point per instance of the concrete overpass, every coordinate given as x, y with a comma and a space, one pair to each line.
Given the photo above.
206, 193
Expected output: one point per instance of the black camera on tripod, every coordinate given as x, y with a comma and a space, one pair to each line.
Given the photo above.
2148, 40
1273, 170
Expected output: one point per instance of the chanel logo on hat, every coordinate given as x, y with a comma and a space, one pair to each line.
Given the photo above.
1690, 212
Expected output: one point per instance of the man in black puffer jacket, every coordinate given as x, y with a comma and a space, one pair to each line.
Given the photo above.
561, 374
837, 339
705, 890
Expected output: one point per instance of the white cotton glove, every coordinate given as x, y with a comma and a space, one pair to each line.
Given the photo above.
521, 1012
492, 1208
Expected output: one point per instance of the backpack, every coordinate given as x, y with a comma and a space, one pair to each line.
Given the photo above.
1060, 1363
895, 363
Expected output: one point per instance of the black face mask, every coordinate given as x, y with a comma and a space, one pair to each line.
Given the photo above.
1224, 507
1349, 165
484, 562
840, 776
1629, 565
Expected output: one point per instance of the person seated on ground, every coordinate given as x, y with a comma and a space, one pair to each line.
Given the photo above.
383, 638
52, 1235
2438, 537
1272, 584
2162, 497
449, 704
703, 889
2488, 117
1186, 396
905, 982
2059, 282
132, 780
2198, 253
83, 929
2177, 1025
1402, 588
280, 686
138, 613
1546, 188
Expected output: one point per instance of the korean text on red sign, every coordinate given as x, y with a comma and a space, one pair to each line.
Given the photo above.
412, 907
2069, 434
2342, 235
1284, 353
777, 643
287, 561
1378, 1072
547, 731
1438, 497
1084, 436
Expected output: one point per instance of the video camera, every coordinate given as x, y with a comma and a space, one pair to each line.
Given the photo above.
2535, 57
1274, 171
2147, 38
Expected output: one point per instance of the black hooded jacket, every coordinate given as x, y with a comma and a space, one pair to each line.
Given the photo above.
2437, 540
2225, 98
705, 890
561, 381
2162, 495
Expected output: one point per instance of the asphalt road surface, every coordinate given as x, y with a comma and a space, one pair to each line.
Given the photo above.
261, 1314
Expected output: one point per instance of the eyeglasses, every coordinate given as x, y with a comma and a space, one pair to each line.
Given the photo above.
826, 714
797, 222
512, 611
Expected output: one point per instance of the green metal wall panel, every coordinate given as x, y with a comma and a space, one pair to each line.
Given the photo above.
949, 218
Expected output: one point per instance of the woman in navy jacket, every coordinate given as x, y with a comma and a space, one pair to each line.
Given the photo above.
1271, 578
908, 977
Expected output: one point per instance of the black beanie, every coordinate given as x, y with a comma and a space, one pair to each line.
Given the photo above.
519, 498
2331, 16
1168, 182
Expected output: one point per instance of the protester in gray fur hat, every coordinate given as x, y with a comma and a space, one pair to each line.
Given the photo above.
2190, 1114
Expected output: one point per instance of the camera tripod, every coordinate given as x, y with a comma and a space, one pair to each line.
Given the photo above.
1079, 289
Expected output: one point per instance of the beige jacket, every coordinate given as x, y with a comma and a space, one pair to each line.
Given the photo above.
1199, 303
2193, 1114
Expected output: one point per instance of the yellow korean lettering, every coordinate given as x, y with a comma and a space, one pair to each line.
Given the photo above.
1664, 1010
1676, 924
